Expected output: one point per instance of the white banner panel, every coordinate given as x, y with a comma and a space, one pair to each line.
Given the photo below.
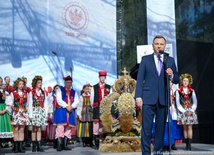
161, 21
143, 50
58, 38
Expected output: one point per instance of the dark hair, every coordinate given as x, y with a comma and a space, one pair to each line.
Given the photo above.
55, 87
159, 37
6, 77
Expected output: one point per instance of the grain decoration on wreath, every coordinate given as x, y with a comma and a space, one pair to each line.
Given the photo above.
123, 129
124, 88
105, 111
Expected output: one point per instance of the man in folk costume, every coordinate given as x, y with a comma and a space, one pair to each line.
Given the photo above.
64, 115
98, 92
7, 85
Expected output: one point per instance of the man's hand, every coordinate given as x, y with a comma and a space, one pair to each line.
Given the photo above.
139, 102
69, 108
169, 72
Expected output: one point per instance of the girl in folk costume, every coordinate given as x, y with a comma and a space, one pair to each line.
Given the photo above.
20, 116
64, 116
173, 123
50, 128
186, 102
5, 110
38, 109
84, 113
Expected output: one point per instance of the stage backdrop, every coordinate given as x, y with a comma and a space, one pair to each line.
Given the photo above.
161, 21
58, 38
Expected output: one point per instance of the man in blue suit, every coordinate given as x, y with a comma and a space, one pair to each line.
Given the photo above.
150, 94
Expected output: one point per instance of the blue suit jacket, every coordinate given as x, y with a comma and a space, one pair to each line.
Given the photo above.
151, 87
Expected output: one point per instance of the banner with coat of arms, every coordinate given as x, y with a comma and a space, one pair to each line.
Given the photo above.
58, 38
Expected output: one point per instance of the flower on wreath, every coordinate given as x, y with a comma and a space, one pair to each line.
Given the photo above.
188, 76
35, 79
16, 82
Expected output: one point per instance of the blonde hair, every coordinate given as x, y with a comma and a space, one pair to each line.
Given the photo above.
188, 76
16, 82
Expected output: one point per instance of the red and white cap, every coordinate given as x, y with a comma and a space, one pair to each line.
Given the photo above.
67, 78
102, 73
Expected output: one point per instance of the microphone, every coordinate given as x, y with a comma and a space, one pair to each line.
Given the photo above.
54, 53
162, 52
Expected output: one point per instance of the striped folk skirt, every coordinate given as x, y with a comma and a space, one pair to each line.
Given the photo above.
85, 129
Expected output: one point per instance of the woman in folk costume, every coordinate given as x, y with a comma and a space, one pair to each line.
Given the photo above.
98, 92
38, 110
50, 128
64, 116
48, 133
186, 102
85, 113
5, 111
20, 117
27, 132
173, 123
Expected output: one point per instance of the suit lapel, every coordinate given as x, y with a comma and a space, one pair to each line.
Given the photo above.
153, 64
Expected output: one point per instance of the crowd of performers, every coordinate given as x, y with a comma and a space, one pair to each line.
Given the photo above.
65, 114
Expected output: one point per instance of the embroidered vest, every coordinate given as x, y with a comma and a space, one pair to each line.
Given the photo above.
20, 101
96, 91
63, 90
186, 100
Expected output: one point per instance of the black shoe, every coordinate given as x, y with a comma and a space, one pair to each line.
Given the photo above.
16, 147
23, 146
65, 146
173, 147
33, 146
189, 144
13, 146
59, 144
39, 147
97, 141
20, 149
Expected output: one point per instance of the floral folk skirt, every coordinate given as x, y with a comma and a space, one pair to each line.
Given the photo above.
39, 116
20, 117
186, 120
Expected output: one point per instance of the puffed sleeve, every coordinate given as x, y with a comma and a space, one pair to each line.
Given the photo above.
195, 103
92, 96
59, 99
79, 107
50, 104
9, 103
179, 106
76, 101
46, 101
30, 104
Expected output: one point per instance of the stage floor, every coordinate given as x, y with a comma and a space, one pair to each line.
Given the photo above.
77, 149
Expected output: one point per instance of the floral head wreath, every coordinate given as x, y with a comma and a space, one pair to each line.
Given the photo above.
35, 79
16, 83
188, 76
24, 79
